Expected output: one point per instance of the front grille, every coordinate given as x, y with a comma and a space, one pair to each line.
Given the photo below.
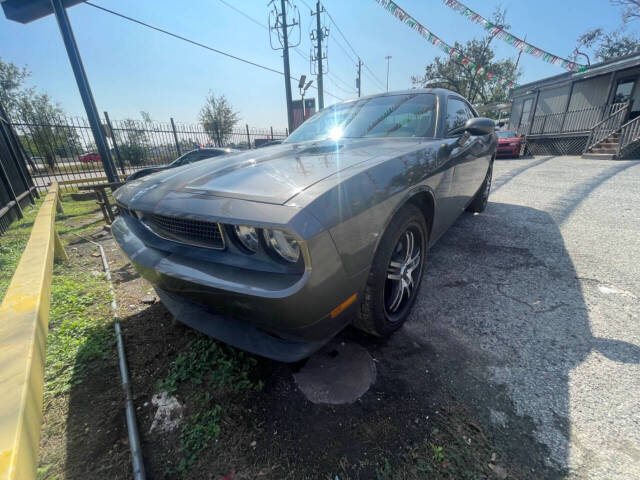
183, 230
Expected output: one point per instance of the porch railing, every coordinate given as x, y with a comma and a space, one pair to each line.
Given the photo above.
572, 121
629, 133
608, 126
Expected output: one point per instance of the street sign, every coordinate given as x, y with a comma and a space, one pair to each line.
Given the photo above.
25, 11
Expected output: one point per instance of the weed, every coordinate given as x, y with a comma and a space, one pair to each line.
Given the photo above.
221, 366
384, 472
79, 334
438, 455
200, 431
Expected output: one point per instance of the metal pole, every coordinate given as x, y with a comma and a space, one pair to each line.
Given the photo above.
388, 57
304, 113
319, 57
285, 57
115, 144
85, 90
175, 137
271, 133
359, 80
246, 125
130, 415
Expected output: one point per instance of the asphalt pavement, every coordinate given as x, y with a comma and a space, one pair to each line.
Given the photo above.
532, 308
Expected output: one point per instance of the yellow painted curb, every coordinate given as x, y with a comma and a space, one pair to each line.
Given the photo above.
24, 319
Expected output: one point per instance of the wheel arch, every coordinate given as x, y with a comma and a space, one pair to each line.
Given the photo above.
422, 197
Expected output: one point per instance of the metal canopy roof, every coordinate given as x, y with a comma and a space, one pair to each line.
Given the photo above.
25, 11
594, 70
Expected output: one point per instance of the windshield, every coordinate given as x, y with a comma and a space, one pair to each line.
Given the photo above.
409, 115
507, 134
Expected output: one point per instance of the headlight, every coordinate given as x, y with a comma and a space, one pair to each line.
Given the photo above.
513, 144
283, 243
248, 237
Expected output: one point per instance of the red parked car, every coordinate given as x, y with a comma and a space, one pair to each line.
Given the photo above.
510, 144
91, 157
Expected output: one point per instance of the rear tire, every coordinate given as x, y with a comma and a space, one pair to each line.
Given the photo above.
479, 202
395, 275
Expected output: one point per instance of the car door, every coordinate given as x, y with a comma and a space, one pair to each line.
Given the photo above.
471, 160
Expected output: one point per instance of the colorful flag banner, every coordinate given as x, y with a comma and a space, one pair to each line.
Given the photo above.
511, 39
431, 37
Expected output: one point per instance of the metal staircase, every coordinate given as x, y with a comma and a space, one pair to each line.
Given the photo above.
605, 137
629, 140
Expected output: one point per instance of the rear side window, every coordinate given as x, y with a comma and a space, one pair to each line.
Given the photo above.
458, 112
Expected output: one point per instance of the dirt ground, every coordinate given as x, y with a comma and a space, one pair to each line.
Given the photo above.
413, 423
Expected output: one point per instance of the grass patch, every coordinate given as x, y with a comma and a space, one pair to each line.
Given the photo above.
201, 430
78, 218
12, 243
78, 335
219, 368
217, 364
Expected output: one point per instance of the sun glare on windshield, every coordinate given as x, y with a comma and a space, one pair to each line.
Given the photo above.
335, 133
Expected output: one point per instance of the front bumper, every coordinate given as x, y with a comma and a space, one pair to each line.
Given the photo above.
280, 316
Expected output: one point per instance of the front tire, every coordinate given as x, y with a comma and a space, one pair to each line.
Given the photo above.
395, 275
479, 202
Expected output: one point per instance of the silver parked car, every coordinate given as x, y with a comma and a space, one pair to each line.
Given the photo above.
276, 250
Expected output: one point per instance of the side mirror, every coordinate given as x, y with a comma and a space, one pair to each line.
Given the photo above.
480, 126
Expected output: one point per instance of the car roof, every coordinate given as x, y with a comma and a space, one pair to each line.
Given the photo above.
436, 91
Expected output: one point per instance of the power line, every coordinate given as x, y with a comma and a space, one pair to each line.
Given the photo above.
297, 50
202, 45
257, 22
247, 16
372, 75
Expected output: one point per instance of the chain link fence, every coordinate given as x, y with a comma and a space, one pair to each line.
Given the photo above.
62, 149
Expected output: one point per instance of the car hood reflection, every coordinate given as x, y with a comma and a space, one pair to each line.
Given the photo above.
270, 175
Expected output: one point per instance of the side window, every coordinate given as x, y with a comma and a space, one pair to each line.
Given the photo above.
204, 154
457, 114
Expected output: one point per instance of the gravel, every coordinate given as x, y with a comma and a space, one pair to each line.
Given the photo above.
538, 298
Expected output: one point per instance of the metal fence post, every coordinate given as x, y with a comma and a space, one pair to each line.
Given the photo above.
248, 137
175, 137
216, 132
13, 144
9, 188
271, 133
115, 144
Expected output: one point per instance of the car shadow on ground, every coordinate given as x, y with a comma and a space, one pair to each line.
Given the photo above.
502, 312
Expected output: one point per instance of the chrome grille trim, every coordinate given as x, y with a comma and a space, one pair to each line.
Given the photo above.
183, 230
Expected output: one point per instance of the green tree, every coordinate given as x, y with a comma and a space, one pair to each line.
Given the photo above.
218, 119
449, 72
603, 45
131, 136
12, 85
43, 131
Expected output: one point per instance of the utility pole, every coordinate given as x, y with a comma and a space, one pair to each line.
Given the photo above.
388, 57
85, 91
518, 59
318, 35
281, 26
359, 79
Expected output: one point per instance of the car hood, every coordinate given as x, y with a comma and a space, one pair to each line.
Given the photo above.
270, 175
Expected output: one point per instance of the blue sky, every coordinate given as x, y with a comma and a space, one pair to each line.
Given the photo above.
132, 68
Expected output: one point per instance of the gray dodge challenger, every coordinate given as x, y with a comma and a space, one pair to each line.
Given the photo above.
276, 250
